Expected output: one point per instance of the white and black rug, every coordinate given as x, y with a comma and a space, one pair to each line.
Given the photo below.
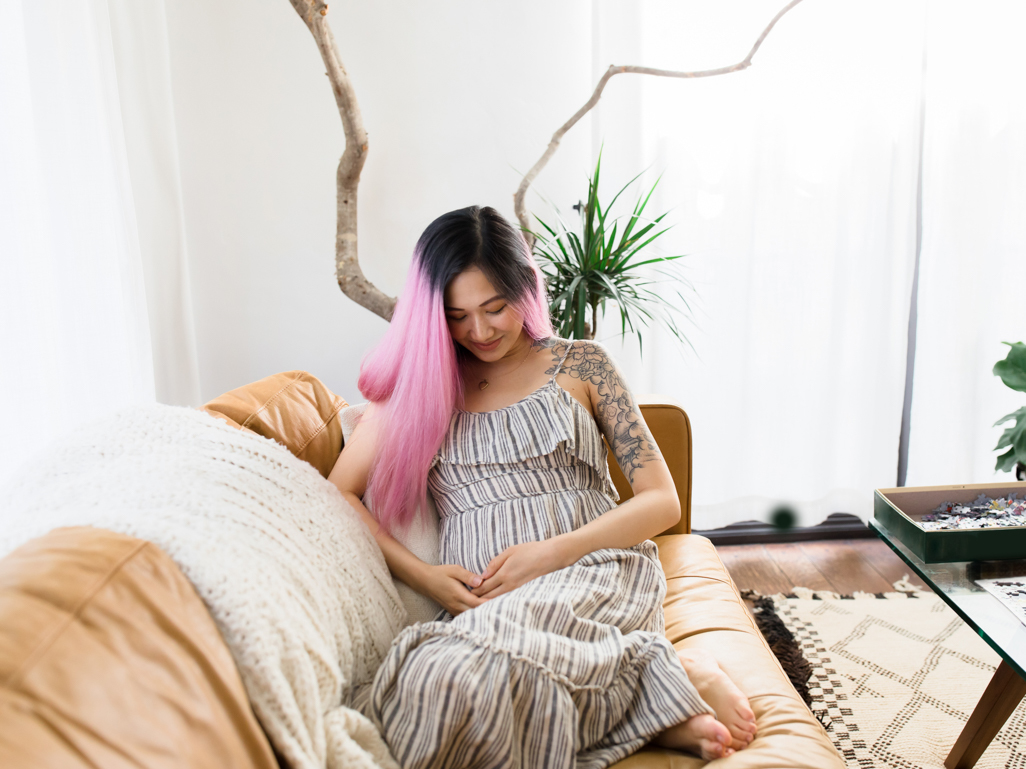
894, 677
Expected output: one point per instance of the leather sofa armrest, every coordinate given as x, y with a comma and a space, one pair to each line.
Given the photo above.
671, 428
109, 658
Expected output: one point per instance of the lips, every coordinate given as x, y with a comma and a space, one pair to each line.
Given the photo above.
487, 347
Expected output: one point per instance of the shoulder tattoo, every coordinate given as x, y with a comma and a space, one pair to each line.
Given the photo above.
551, 343
616, 412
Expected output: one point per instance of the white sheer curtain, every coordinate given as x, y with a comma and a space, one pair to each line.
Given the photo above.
142, 59
75, 339
793, 186
972, 292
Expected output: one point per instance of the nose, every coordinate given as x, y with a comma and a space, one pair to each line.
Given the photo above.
480, 330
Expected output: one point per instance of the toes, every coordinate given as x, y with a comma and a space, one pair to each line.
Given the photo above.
722, 735
711, 749
742, 735
743, 731
741, 740
720, 739
742, 709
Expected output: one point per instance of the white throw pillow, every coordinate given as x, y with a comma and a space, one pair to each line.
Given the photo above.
421, 538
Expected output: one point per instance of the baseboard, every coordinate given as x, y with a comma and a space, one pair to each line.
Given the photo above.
836, 526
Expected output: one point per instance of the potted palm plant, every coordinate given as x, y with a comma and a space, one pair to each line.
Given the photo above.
1012, 371
601, 262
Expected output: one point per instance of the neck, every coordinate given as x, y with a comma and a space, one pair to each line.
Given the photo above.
519, 349
514, 357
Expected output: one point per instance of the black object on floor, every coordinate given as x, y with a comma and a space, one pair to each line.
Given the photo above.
836, 526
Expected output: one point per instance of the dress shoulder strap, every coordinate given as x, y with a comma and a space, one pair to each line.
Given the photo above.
560, 364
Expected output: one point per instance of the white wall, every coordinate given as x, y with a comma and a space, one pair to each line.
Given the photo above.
457, 98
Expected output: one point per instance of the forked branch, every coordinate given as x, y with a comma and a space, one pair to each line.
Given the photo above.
529, 177
347, 178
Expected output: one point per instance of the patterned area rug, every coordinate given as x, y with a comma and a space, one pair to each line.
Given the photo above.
895, 677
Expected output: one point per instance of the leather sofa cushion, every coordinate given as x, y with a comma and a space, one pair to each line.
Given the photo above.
293, 408
108, 658
704, 610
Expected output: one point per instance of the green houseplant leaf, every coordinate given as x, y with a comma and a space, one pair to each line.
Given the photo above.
1012, 369
599, 264
1013, 437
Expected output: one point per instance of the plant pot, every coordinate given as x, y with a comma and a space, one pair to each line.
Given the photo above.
1020, 471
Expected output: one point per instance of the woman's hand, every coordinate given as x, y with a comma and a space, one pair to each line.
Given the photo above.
518, 565
447, 585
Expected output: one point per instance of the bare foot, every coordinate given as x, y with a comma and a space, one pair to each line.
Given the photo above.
702, 735
731, 705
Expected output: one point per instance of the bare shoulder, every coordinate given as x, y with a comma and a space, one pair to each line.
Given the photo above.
366, 429
586, 360
550, 346
616, 412
352, 468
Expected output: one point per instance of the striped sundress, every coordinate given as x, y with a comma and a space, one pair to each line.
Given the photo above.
569, 670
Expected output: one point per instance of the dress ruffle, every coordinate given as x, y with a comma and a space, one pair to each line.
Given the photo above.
547, 420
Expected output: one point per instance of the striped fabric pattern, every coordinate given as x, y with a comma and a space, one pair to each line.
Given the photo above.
571, 669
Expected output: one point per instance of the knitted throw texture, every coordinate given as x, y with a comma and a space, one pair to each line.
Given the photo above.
293, 579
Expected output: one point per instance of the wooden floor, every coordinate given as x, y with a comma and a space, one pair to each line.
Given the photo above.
841, 565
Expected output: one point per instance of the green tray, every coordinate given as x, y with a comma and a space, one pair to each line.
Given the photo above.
899, 511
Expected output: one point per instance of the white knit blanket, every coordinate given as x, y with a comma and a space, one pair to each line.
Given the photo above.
293, 579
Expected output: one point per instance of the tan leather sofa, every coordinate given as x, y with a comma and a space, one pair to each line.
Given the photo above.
108, 657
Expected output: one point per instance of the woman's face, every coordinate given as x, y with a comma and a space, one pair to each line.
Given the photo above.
480, 319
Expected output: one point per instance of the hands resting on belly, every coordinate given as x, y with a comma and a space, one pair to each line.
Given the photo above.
458, 589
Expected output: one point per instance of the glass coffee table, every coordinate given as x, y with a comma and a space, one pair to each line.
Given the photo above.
996, 625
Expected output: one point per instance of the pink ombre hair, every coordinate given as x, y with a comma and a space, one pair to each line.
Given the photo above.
415, 373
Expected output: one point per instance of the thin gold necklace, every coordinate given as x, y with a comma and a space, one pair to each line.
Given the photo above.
484, 382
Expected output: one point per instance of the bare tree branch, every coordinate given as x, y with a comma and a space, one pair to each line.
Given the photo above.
347, 178
529, 177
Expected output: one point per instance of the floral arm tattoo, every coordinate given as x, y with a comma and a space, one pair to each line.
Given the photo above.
618, 416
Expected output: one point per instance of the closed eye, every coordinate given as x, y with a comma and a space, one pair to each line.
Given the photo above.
489, 312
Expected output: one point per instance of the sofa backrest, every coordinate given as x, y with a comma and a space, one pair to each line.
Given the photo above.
297, 410
293, 408
671, 428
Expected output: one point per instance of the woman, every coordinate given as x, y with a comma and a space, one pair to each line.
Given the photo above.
551, 650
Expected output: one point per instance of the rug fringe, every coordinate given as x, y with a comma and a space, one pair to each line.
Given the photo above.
784, 646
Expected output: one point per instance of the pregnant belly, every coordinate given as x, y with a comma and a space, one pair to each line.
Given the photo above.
474, 537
